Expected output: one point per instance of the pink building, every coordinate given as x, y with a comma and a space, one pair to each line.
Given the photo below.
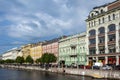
51, 46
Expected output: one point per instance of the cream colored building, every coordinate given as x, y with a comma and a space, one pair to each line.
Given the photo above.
36, 50
26, 50
103, 34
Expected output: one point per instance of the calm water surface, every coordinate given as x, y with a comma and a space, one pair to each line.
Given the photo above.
8, 74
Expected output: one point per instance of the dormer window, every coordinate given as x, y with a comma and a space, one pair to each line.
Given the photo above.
101, 11
92, 15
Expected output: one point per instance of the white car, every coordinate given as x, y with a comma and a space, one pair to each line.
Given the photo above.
106, 67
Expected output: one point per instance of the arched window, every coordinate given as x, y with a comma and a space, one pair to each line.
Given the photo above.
92, 15
101, 11
99, 21
92, 32
113, 16
101, 30
112, 27
103, 20
109, 18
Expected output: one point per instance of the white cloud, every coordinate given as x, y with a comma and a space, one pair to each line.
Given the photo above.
44, 18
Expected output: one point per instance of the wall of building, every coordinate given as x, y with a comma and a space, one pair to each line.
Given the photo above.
72, 50
110, 37
36, 51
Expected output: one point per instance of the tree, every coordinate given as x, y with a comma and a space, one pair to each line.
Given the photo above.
19, 60
29, 59
38, 60
48, 58
9, 61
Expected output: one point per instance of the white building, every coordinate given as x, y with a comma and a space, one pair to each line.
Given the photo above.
103, 33
11, 54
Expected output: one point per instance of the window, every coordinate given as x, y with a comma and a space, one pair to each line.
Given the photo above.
89, 24
92, 51
101, 11
94, 23
92, 15
92, 41
111, 37
102, 49
113, 16
92, 32
101, 30
101, 39
103, 20
99, 21
111, 48
112, 27
109, 18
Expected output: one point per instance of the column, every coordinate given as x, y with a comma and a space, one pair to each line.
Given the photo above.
117, 60
106, 39
97, 49
117, 38
106, 59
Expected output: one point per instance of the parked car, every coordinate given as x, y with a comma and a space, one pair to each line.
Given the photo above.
96, 67
117, 67
106, 67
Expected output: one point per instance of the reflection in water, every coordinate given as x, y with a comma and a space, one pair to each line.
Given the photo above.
38, 75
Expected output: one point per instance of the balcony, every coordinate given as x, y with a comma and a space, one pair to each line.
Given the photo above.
111, 42
101, 35
73, 55
92, 37
92, 45
101, 44
111, 32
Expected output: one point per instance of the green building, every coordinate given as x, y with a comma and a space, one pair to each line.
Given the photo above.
72, 49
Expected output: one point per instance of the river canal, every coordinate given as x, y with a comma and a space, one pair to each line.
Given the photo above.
9, 74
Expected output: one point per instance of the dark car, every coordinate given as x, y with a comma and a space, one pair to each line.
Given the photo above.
117, 67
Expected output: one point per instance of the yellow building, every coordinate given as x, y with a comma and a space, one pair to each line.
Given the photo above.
36, 51
26, 49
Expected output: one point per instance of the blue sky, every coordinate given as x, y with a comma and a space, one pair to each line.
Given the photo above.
28, 21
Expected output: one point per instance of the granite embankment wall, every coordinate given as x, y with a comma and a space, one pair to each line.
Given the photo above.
87, 72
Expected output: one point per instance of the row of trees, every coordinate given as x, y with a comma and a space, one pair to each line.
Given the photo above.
46, 58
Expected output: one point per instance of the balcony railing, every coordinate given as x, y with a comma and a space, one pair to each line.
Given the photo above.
92, 45
111, 42
101, 34
111, 32
101, 44
92, 36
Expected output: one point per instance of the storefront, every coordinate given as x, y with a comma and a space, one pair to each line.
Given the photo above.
111, 59
101, 59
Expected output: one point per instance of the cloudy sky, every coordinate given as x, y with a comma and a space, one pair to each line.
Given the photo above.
28, 21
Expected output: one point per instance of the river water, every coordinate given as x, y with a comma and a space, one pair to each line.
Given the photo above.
9, 74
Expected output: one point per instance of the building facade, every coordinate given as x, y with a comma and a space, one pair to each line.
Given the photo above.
103, 34
51, 46
26, 49
72, 50
11, 54
36, 50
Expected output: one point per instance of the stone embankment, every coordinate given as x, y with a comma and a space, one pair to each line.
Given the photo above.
85, 72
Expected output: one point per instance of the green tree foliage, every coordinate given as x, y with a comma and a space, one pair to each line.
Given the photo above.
48, 58
9, 61
38, 60
29, 59
2, 61
19, 60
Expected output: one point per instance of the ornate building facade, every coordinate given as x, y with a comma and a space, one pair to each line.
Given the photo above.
103, 34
